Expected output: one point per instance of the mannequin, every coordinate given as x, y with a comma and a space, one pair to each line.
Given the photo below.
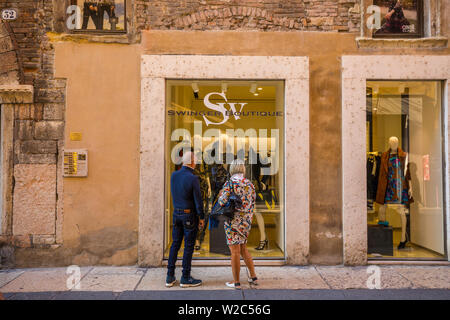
394, 188
256, 176
201, 171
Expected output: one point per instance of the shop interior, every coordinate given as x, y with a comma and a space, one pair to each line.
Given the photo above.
405, 205
253, 128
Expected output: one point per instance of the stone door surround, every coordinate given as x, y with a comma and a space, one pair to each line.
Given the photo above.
155, 69
356, 70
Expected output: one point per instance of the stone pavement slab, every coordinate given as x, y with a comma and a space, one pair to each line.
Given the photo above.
240, 295
44, 279
8, 275
426, 277
397, 294
357, 277
289, 277
49, 295
186, 294
213, 278
114, 279
293, 294
86, 295
349, 294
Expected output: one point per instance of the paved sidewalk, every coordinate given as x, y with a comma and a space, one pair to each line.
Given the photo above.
286, 282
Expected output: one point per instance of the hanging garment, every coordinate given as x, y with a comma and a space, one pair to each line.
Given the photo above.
393, 183
373, 172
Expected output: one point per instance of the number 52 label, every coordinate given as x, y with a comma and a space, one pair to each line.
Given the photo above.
9, 14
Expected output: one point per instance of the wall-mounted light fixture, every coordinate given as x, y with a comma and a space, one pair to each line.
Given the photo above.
196, 89
253, 88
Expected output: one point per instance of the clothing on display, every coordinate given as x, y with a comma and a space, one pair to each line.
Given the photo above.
395, 193
393, 182
219, 175
373, 172
201, 171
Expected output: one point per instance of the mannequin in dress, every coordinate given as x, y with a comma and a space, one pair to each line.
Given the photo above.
394, 186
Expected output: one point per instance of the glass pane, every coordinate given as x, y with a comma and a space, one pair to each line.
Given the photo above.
398, 16
221, 121
105, 15
405, 169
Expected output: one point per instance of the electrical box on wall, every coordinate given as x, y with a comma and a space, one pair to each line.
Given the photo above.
75, 163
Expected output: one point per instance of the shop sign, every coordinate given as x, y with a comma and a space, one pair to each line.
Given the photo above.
219, 109
220, 143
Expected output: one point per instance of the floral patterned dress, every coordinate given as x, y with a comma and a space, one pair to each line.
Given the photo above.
396, 191
238, 229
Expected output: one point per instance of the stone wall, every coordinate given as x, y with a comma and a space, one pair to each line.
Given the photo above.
263, 15
9, 66
38, 125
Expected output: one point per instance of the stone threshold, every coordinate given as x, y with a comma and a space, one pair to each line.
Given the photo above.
409, 263
422, 43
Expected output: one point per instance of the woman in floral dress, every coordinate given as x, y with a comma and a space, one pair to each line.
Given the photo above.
238, 229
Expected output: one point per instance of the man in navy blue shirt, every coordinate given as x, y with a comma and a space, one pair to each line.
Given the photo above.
188, 216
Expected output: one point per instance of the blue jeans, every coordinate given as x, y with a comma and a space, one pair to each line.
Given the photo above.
184, 225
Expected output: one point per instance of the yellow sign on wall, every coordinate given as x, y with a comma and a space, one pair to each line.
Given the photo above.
75, 136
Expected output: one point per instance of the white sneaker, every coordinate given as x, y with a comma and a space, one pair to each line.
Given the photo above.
236, 286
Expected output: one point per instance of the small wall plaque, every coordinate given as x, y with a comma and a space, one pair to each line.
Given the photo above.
9, 14
75, 136
75, 163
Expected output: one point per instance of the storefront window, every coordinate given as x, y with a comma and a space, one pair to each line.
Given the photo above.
222, 121
398, 18
99, 15
405, 206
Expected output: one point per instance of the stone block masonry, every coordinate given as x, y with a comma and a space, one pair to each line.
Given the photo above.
27, 57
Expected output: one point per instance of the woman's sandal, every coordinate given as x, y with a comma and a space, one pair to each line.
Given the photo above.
253, 281
236, 285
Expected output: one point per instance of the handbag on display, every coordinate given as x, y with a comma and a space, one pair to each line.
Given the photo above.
227, 211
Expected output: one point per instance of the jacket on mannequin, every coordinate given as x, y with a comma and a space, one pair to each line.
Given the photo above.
383, 177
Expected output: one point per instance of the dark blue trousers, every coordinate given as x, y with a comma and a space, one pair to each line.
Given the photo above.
184, 225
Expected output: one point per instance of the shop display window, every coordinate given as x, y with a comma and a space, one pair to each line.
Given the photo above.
399, 18
222, 120
97, 15
405, 176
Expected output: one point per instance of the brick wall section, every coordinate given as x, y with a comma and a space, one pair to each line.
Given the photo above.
39, 126
9, 64
263, 15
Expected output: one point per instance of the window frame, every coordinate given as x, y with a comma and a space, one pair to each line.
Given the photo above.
415, 35
101, 32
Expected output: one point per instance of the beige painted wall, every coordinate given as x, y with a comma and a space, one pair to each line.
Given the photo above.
103, 103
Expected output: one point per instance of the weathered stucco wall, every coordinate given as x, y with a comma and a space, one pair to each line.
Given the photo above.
103, 103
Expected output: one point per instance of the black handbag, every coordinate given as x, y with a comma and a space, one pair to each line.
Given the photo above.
227, 211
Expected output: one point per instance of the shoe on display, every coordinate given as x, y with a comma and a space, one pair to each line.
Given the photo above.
401, 245
189, 282
264, 244
170, 281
